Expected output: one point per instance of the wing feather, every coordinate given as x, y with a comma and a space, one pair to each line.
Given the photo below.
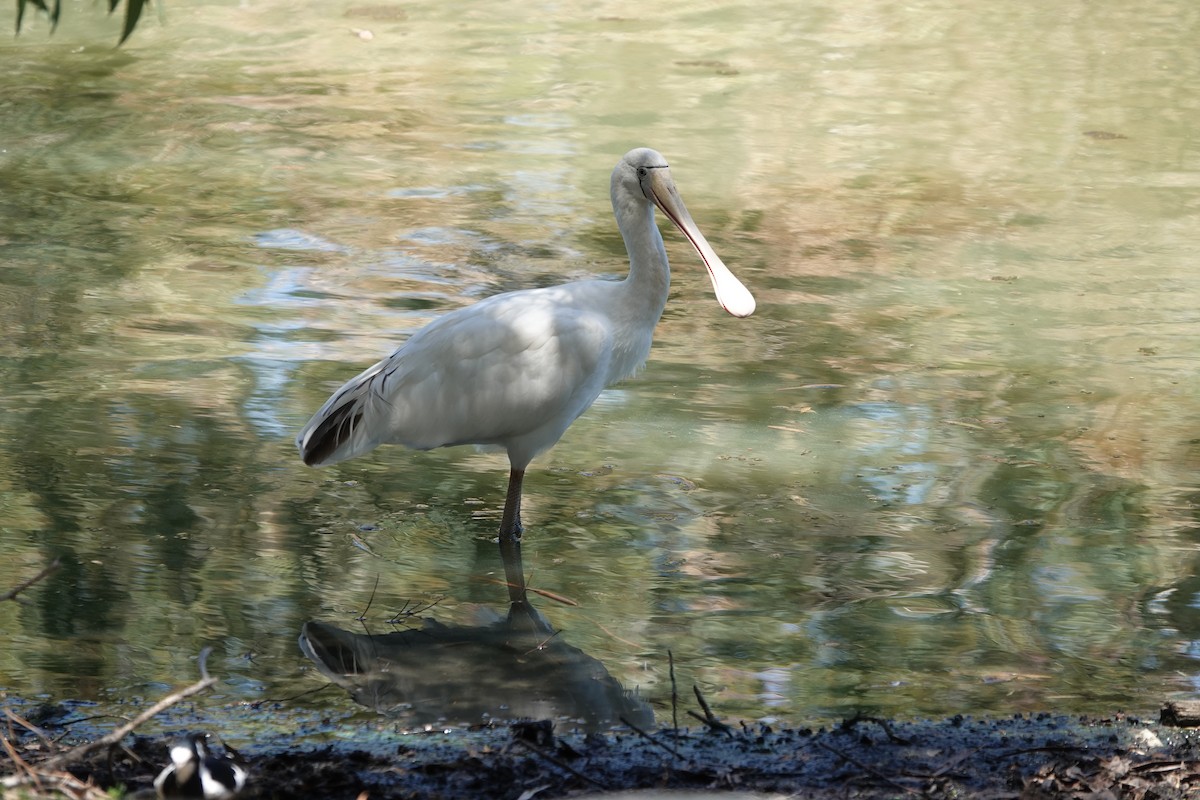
513, 370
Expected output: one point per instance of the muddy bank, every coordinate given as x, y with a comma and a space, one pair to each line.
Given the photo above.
396, 744
1025, 756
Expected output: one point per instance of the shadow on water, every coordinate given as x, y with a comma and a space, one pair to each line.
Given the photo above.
514, 668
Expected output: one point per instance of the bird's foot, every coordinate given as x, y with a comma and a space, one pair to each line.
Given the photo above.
523, 616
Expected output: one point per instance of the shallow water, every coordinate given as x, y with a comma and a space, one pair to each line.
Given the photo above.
948, 466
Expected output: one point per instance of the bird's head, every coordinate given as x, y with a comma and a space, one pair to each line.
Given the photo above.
638, 170
642, 176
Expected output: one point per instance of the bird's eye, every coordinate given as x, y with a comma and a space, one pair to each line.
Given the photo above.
643, 172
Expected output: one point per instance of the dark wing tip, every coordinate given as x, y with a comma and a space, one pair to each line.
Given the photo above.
321, 446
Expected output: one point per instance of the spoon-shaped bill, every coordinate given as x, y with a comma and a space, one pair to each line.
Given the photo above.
731, 294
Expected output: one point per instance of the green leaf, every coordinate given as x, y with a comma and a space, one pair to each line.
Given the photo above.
133, 10
38, 4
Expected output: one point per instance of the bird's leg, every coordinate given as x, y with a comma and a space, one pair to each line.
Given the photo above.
510, 522
510, 538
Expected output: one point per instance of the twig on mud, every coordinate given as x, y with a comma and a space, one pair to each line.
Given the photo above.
674, 694
21, 763
1047, 748
65, 782
27, 725
871, 770
709, 718
72, 787
533, 748
848, 724
257, 704
651, 739
120, 733
12, 593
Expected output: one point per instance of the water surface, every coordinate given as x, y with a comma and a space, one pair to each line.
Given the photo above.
949, 466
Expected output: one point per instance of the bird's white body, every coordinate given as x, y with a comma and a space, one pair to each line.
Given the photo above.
515, 370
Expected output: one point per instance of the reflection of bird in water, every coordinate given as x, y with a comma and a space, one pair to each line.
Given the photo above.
195, 773
515, 370
515, 668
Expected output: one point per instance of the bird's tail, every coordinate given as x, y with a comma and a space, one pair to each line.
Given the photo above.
342, 428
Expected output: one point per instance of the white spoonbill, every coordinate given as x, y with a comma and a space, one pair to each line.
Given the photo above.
516, 369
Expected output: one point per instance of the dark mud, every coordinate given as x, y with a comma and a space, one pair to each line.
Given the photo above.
1025, 756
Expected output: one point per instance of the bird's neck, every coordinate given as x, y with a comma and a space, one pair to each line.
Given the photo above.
649, 273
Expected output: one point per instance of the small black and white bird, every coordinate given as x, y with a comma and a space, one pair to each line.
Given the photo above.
195, 773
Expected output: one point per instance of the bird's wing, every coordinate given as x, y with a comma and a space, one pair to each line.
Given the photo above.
485, 374
508, 366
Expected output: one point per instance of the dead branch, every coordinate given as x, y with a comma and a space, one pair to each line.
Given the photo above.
558, 762
709, 718
870, 770
67, 784
27, 725
674, 693
651, 739
12, 593
848, 724
21, 764
47, 770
